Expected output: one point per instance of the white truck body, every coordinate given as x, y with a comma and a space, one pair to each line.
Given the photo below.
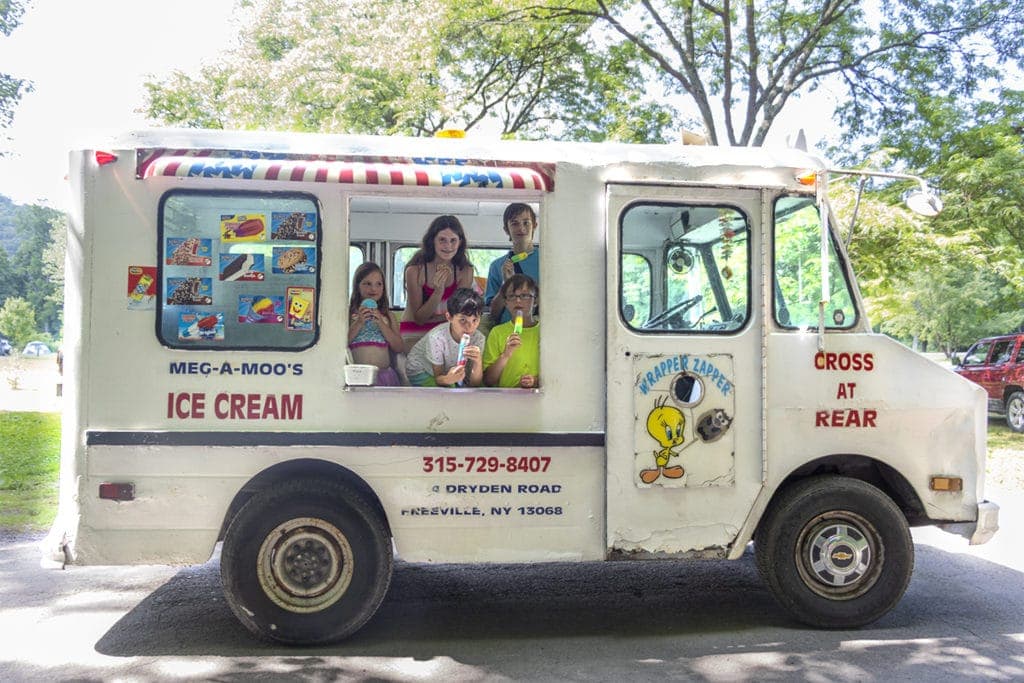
486, 474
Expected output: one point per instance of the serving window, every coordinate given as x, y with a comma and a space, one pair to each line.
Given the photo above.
238, 270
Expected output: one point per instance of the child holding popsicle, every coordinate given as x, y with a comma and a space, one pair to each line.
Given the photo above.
449, 355
373, 331
512, 351
520, 224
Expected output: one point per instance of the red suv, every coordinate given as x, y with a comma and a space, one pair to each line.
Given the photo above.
997, 365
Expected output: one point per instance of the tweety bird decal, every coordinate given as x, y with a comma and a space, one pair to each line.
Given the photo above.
665, 423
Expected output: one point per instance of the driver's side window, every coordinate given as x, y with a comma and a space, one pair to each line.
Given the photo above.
684, 268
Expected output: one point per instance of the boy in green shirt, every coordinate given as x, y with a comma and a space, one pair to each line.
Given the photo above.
512, 351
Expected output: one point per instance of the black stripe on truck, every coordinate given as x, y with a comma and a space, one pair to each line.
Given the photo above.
432, 440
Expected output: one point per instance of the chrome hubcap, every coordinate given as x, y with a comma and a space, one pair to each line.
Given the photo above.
838, 556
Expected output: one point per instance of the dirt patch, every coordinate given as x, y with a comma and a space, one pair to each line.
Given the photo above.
29, 384
1005, 469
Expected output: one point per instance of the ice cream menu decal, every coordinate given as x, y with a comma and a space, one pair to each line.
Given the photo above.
236, 278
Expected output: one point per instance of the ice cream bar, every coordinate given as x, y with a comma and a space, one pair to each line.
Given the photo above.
461, 358
517, 326
263, 306
368, 303
248, 228
208, 323
516, 258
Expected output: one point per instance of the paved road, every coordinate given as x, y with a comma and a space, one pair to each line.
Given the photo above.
961, 619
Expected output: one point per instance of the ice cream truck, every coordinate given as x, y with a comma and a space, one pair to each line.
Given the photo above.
708, 379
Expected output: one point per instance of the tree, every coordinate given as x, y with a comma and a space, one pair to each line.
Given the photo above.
740, 63
53, 261
949, 305
18, 321
412, 68
35, 226
11, 88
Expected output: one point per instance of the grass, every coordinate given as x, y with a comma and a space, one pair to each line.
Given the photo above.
1001, 436
1004, 468
29, 464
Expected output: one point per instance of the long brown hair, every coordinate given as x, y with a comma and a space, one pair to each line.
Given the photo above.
428, 253
361, 272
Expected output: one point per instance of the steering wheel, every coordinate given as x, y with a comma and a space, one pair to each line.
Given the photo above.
678, 310
697, 322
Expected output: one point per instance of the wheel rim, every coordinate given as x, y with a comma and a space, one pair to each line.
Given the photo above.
305, 564
1015, 413
839, 555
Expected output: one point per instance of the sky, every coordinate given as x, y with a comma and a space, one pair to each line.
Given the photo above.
88, 60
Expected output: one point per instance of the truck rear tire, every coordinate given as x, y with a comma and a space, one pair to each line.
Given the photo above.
836, 552
306, 562
1015, 411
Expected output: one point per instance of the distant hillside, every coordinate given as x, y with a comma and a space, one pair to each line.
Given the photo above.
8, 238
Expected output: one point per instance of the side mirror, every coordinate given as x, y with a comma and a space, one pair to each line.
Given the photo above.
956, 360
923, 200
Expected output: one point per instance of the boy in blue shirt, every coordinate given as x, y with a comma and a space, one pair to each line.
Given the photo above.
520, 224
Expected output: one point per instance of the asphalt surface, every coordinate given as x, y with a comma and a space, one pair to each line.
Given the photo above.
962, 619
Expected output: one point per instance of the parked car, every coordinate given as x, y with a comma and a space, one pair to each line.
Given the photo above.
5, 347
997, 365
36, 348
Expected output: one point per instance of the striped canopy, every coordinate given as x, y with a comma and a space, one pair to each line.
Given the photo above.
359, 170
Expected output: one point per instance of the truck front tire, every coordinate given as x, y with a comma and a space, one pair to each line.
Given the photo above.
306, 562
836, 552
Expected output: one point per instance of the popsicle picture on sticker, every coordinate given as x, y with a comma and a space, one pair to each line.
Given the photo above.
260, 309
193, 326
189, 291
299, 304
242, 268
243, 227
294, 260
295, 225
141, 288
189, 251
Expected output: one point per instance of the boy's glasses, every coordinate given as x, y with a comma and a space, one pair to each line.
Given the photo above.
519, 297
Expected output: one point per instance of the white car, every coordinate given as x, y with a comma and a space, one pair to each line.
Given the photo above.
36, 348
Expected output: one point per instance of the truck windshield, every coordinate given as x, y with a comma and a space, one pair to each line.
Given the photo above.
797, 262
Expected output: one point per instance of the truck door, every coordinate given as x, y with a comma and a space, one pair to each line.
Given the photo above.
684, 366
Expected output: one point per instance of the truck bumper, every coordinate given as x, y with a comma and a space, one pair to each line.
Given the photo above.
982, 530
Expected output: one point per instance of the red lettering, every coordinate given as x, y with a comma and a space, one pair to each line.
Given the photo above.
291, 407
270, 407
220, 406
254, 407
846, 418
237, 406
844, 361
185, 406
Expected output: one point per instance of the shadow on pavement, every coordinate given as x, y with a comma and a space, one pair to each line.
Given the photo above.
455, 610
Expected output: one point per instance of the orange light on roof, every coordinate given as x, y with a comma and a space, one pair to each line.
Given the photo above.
104, 158
807, 177
450, 133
